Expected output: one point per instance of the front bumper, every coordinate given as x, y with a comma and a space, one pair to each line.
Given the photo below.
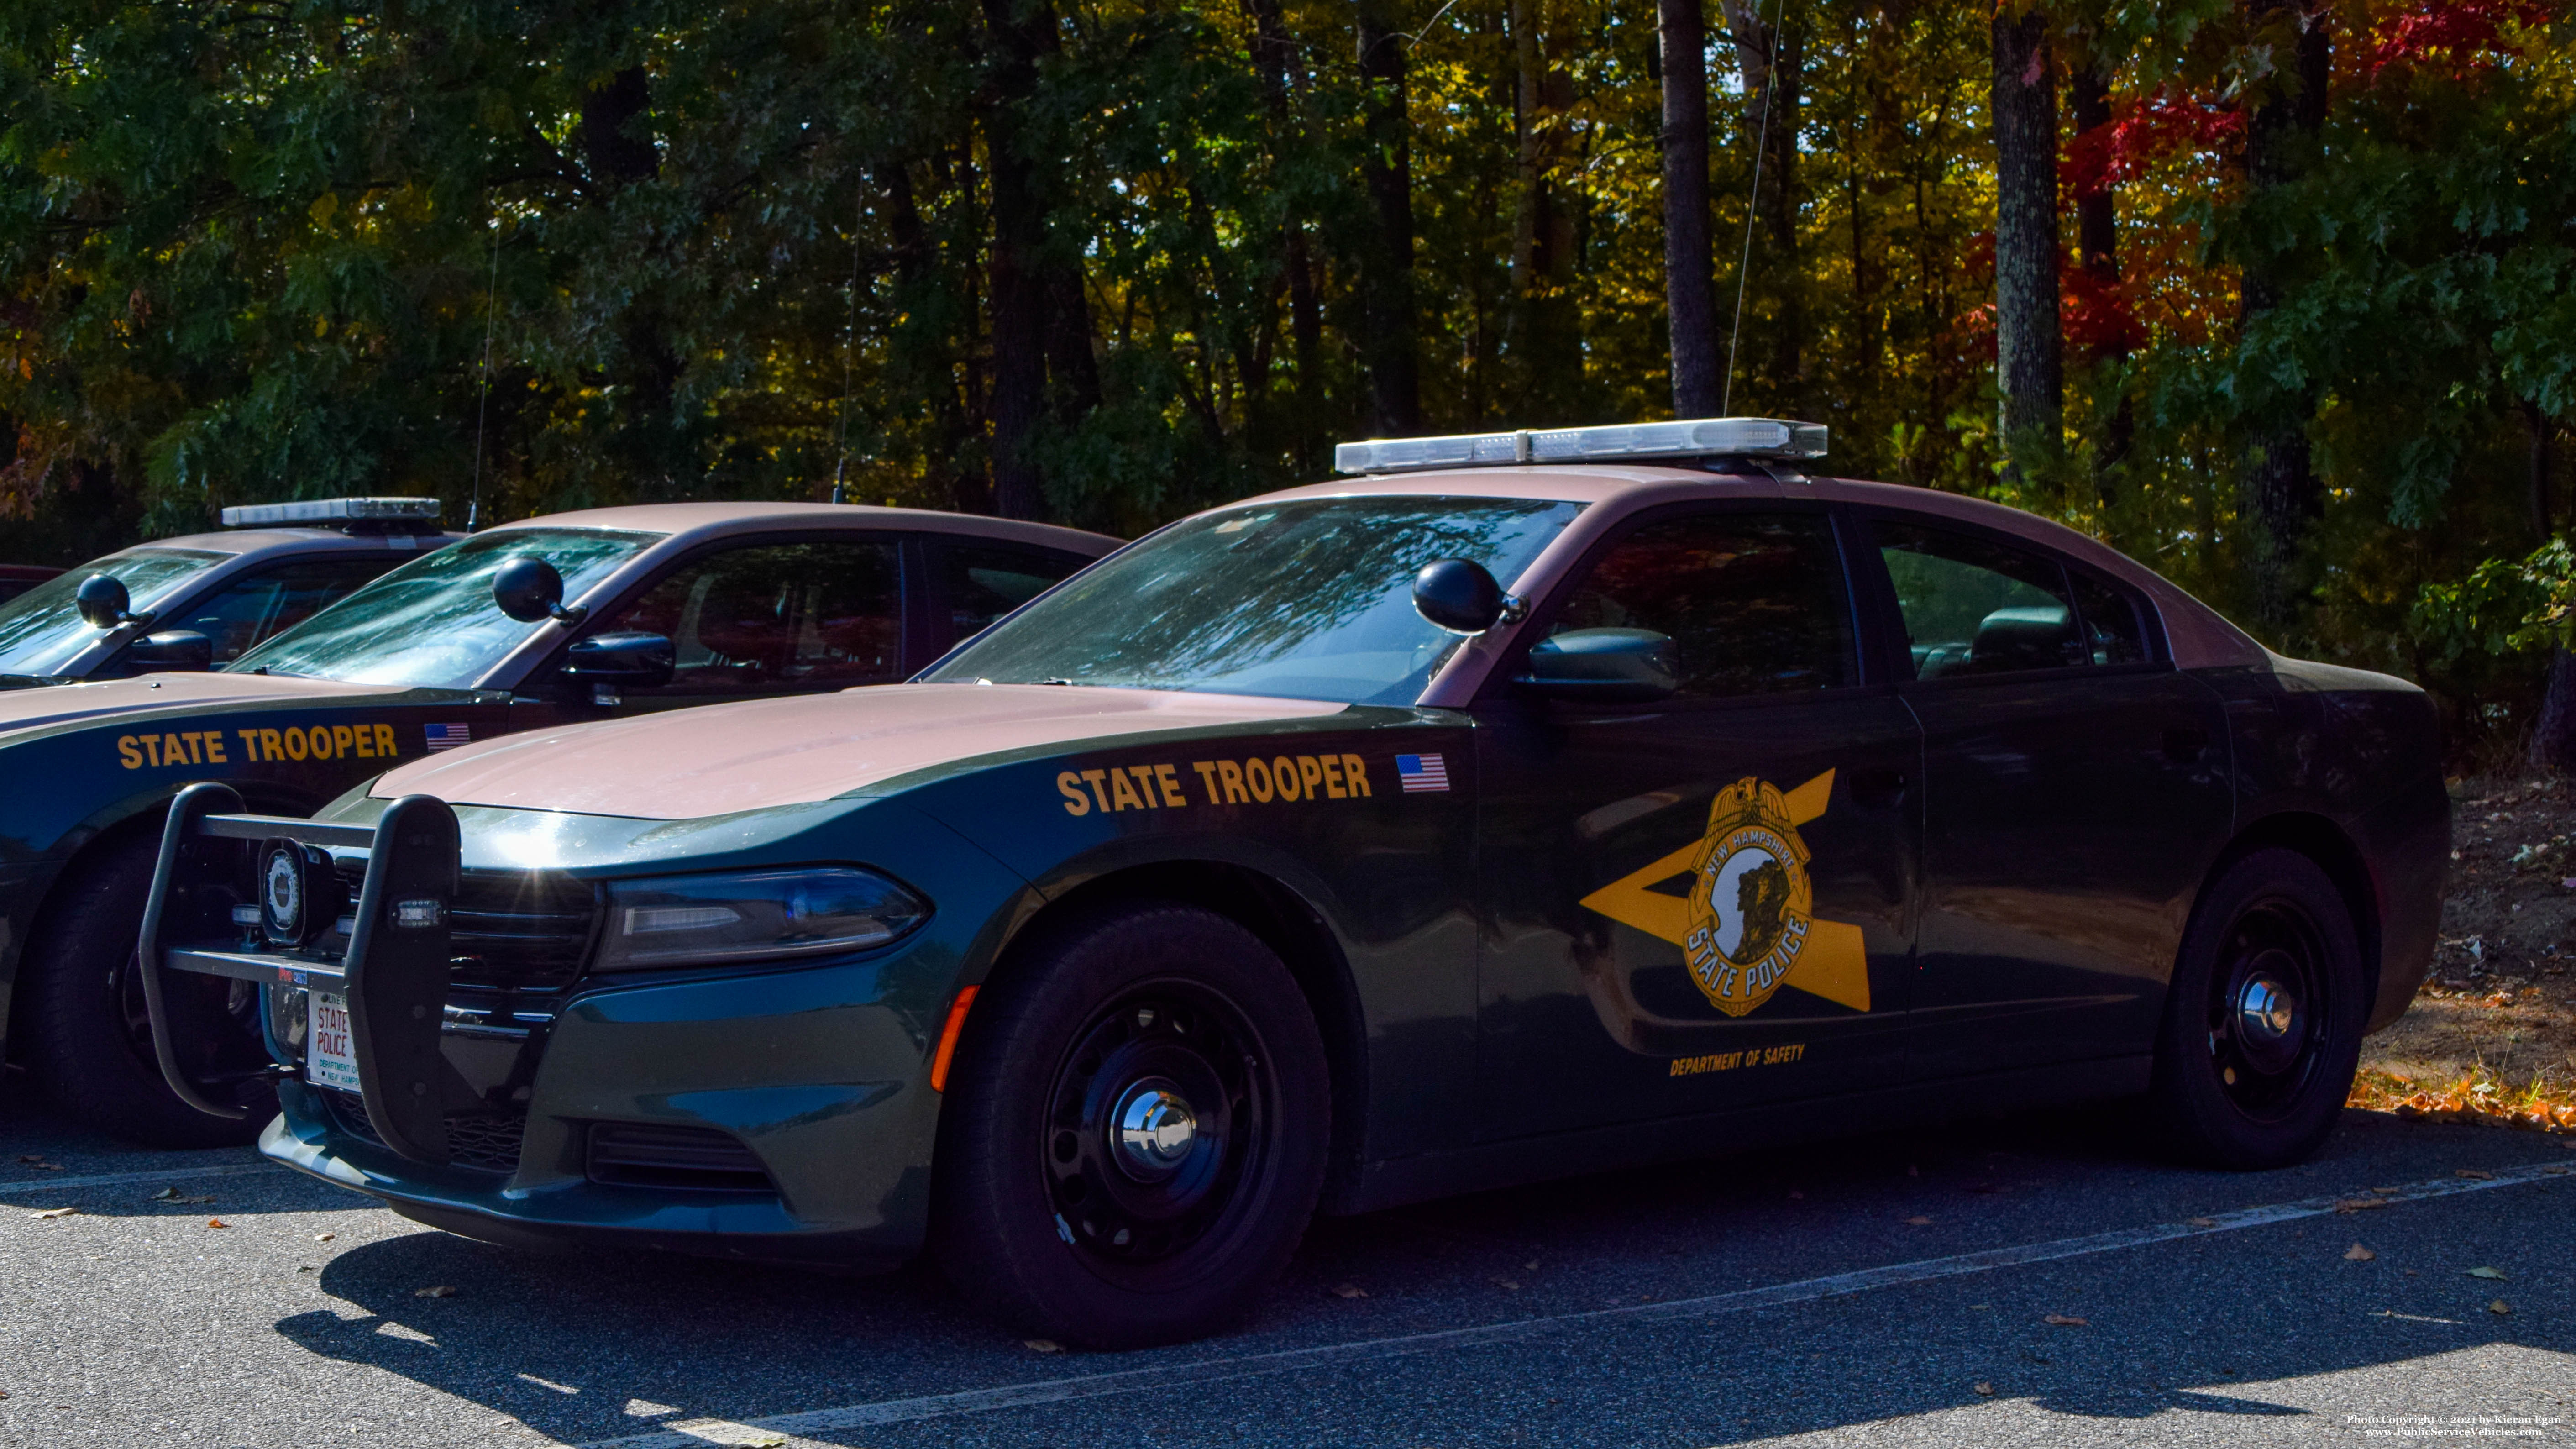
779, 1063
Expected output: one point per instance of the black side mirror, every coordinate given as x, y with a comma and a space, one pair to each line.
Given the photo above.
103, 602
171, 649
1604, 666
1458, 595
629, 659
528, 589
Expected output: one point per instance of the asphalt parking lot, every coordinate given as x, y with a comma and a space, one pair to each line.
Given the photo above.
1893, 1290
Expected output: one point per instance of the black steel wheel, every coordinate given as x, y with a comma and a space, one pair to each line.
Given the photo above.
1135, 1129
2263, 1019
88, 1036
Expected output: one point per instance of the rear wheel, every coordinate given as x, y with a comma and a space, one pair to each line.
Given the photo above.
90, 1040
2263, 1022
1135, 1130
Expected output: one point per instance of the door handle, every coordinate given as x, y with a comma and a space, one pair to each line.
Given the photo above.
1877, 785
2186, 746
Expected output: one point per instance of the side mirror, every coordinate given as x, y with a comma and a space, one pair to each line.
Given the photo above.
627, 659
528, 589
1458, 595
102, 601
171, 649
1604, 666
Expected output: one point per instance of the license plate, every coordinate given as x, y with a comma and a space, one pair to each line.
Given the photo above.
330, 1058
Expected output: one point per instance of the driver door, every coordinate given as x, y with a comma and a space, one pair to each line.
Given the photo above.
1705, 902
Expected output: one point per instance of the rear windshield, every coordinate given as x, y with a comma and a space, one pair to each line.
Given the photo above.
41, 631
1305, 600
431, 624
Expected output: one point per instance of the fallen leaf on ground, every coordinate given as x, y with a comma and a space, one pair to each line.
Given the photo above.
2202, 1222
2495, 1273
1920, 1222
1530, 1266
2498, 1306
35, 1160
1349, 1290
1506, 1283
2474, 1175
324, 1237
1045, 1345
1984, 1388
55, 1213
2357, 1204
2064, 1320
171, 1195
441, 1291
217, 1223
2358, 1254
307, 1268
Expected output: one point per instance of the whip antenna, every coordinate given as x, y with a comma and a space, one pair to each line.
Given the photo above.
483, 404
1753, 203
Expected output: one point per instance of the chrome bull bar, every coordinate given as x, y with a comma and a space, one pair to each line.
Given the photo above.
394, 972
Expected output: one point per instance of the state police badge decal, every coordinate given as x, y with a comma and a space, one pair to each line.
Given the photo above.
1751, 903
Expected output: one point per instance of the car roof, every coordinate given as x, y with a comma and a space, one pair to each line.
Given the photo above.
2198, 635
717, 519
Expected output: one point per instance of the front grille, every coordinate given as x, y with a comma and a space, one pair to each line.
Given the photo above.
482, 1141
637, 1155
512, 930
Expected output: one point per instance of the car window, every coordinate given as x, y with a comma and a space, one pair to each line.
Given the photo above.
2113, 632
983, 584
1973, 606
432, 624
774, 618
249, 610
1307, 599
1752, 602
41, 630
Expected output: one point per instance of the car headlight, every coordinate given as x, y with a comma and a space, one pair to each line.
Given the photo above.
692, 920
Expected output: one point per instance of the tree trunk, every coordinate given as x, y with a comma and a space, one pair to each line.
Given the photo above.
916, 274
2553, 735
2543, 464
2097, 250
1276, 54
1689, 294
1386, 262
2029, 367
2282, 495
1043, 369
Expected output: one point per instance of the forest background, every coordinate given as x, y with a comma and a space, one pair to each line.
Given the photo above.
2278, 296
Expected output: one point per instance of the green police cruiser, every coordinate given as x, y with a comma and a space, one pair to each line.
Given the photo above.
1526, 804
595, 615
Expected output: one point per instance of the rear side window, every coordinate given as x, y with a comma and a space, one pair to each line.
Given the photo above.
2113, 632
1973, 606
983, 584
1752, 601
777, 618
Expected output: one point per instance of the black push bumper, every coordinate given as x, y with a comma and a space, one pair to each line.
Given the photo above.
391, 961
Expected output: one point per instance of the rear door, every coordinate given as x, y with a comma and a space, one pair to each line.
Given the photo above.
2074, 785
1704, 902
974, 582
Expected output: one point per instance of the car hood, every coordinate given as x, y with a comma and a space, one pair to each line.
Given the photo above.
692, 763
37, 708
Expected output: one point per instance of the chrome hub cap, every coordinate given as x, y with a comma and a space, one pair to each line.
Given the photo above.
2265, 1011
1155, 1130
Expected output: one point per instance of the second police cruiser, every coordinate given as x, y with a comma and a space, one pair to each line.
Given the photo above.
1531, 804
575, 617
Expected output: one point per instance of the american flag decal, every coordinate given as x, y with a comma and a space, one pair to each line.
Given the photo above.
1421, 772
448, 737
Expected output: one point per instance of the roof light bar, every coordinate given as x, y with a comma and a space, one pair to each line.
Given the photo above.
329, 511
1687, 438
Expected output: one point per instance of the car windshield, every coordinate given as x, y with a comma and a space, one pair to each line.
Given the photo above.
431, 624
1303, 600
41, 630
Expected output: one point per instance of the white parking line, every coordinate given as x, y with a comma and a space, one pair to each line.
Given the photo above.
694, 1432
54, 1187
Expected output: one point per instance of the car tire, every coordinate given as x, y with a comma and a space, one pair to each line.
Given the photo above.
2262, 1025
87, 1037
1183, 1029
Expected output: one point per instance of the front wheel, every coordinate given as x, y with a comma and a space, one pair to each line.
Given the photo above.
1135, 1131
90, 1041
2262, 1026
